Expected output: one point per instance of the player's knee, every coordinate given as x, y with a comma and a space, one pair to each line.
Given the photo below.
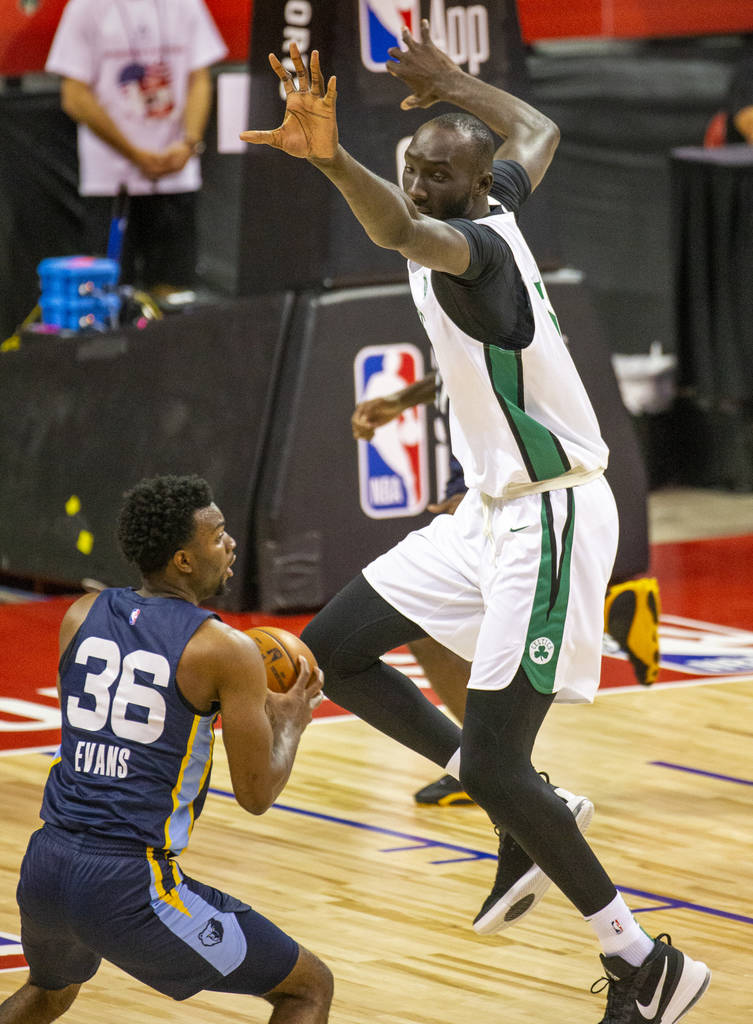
324, 987
490, 789
318, 637
310, 984
336, 657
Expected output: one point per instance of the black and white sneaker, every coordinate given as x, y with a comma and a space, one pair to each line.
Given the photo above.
520, 883
660, 991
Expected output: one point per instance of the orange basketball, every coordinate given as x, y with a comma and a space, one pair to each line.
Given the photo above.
280, 650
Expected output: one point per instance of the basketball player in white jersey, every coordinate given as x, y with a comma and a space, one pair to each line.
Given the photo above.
515, 580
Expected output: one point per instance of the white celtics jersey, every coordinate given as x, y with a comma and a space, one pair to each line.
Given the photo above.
520, 420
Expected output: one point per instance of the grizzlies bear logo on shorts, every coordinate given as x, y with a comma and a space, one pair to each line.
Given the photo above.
212, 933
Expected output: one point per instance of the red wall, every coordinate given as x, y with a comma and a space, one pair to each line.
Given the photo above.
25, 37
551, 19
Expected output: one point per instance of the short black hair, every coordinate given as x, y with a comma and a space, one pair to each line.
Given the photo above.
157, 518
480, 135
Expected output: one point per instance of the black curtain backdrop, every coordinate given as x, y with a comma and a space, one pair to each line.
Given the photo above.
712, 220
39, 204
82, 419
609, 191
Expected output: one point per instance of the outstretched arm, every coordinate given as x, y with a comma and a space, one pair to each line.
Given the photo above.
529, 136
375, 412
387, 214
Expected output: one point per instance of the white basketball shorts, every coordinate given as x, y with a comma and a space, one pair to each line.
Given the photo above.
510, 584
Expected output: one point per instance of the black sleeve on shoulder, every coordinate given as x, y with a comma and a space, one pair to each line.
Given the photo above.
511, 186
489, 302
489, 251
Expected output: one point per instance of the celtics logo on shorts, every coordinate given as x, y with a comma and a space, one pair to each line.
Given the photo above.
541, 650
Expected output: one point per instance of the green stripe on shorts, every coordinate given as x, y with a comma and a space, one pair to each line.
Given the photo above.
547, 623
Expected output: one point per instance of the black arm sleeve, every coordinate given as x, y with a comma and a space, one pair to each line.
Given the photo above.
512, 186
489, 301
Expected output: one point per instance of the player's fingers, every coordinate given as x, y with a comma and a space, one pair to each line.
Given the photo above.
425, 31
410, 102
281, 73
317, 79
304, 669
331, 95
408, 39
256, 138
300, 68
316, 700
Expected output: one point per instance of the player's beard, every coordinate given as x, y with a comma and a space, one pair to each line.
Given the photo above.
455, 209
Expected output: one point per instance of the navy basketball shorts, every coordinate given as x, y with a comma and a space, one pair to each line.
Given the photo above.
83, 899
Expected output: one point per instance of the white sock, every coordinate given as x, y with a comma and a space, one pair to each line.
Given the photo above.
453, 765
620, 934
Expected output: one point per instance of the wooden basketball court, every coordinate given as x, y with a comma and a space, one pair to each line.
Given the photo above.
385, 891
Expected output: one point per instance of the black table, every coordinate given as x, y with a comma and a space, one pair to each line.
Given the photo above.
712, 235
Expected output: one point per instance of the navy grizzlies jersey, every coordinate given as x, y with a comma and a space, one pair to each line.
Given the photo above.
135, 757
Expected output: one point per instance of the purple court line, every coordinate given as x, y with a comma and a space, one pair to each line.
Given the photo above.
670, 903
413, 842
701, 771
420, 843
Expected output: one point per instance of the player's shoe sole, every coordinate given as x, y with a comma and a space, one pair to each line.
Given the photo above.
631, 617
445, 792
502, 909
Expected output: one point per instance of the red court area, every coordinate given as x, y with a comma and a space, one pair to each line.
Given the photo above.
706, 633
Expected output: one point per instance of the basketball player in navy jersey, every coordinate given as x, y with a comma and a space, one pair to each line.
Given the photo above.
515, 580
143, 676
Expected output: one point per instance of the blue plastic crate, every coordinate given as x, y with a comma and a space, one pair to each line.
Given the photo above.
78, 292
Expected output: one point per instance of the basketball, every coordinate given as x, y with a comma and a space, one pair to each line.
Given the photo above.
280, 650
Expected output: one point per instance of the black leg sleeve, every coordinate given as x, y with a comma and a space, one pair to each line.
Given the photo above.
499, 732
348, 637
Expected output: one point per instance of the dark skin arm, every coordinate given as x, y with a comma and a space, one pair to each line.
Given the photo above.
261, 730
388, 215
70, 624
370, 415
529, 136
375, 412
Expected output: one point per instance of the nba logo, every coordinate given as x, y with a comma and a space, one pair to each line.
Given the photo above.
393, 465
382, 23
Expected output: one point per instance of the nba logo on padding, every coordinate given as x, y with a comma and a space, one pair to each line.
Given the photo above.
382, 23
393, 466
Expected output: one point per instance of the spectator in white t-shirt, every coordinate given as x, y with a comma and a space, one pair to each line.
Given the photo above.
135, 76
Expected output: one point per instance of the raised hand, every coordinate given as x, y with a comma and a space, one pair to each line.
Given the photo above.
309, 128
423, 67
